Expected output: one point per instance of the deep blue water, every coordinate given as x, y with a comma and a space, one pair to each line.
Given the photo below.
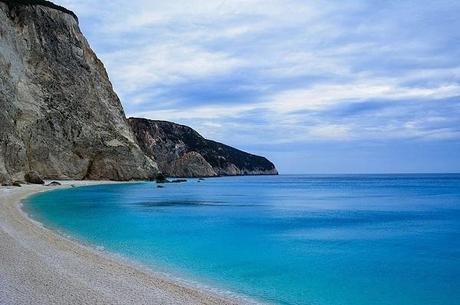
317, 240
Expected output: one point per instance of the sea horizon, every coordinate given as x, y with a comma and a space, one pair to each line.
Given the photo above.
363, 173
309, 226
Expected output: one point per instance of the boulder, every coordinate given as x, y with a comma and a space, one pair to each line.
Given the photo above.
4, 179
16, 183
160, 178
34, 178
179, 181
54, 183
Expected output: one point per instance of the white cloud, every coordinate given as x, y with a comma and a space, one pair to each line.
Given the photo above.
292, 116
318, 98
300, 57
166, 64
323, 96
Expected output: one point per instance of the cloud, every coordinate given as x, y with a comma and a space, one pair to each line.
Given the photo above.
322, 96
319, 97
166, 64
284, 71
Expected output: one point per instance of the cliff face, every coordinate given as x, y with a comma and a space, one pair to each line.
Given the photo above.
59, 115
182, 152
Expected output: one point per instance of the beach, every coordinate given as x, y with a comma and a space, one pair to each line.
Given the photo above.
39, 266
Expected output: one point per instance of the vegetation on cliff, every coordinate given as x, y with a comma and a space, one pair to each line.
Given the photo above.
14, 3
181, 151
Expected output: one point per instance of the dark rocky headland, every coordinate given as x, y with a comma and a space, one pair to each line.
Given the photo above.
60, 117
180, 151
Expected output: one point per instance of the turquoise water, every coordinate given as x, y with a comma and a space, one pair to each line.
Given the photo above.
316, 240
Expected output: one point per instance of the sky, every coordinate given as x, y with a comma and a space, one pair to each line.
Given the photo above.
315, 86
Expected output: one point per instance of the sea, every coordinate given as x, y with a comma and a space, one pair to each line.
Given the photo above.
288, 239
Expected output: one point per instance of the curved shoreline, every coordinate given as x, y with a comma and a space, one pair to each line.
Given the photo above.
39, 266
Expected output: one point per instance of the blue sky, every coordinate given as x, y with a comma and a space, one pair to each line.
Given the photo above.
316, 86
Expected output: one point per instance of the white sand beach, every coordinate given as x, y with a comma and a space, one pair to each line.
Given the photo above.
39, 266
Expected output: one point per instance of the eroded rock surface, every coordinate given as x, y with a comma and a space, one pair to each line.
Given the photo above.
59, 115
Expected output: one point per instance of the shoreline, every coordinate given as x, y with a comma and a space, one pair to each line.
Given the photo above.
41, 266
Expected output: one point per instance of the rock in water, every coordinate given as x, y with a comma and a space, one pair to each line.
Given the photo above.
180, 151
59, 115
54, 183
179, 181
34, 178
160, 178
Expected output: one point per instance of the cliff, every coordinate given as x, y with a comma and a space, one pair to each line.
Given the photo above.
59, 115
61, 119
182, 152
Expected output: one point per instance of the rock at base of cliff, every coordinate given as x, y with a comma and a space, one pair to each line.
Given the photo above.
160, 178
4, 179
54, 183
16, 184
179, 181
34, 178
